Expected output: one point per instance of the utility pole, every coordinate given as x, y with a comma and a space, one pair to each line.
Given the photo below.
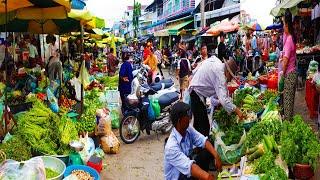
133, 14
203, 18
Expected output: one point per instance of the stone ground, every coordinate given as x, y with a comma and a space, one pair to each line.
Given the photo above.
144, 158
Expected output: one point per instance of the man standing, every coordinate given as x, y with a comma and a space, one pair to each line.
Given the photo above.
33, 53
112, 63
203, 56
222, 47
183, 71
178, 149
210, 80
159, 58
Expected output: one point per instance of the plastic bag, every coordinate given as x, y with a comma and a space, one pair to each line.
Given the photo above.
53, 101
84, 75
31, 169
186, 97
110, 144
99, 153
113, 96
229, 154
7, 137
88, 149
281, 84
104, 122
115, 110
156, 107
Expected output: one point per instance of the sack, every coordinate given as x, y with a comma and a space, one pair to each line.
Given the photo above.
229, 154
281, 84
104, 122
34, 168
110, 144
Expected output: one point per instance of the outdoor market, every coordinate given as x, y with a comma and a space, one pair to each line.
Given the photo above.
165, 89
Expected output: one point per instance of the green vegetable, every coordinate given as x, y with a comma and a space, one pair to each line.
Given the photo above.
224, 120
16, 148
233, 135
259, 152
264, 164
51, 173
255, 134
299, 144
275, 173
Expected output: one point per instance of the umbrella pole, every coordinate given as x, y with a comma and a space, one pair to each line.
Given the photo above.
82, 61
6, 110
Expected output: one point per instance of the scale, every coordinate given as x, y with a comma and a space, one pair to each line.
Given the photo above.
74, 156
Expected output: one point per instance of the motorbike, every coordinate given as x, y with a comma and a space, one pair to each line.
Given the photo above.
136, 118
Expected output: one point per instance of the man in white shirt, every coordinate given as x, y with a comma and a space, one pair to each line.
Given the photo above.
33, 53
210, 80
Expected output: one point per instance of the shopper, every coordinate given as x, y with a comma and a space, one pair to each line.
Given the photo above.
289, 66
222, 47
203, 56
183, 72
125, 78
112, 62
33, 53
152, 62
210, 80
179, 147
158, 54
54, 68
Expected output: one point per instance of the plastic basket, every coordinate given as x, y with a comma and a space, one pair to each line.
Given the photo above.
87, 169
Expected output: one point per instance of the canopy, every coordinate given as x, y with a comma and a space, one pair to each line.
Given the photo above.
161, 33
82, 15
174, 30
279, 10
14, 4
96, 22
274, 26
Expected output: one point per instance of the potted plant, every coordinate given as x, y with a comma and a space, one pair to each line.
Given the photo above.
300, 147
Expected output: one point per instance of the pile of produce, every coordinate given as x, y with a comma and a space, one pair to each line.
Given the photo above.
82, 175
299, 144
267, 95
38, 127
224, 120
233, 135
240, 95
65, 102
251, 103
109, 81
16, 149
267, 144
87, 122
51, 173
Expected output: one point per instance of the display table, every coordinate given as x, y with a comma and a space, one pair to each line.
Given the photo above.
312, 99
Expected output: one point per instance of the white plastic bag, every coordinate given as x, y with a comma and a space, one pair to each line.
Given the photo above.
29, 170
186, 97
88, 148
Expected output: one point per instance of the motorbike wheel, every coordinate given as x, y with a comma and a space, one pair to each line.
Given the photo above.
167, 129
129, 129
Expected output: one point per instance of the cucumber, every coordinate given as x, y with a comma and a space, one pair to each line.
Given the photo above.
252, 150
258, 153
268, 142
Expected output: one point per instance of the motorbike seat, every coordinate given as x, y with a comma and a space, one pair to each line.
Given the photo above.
156, 86
167, 99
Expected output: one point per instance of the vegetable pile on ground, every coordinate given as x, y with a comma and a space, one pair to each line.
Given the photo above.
38, 127
224, 119
87, 122
240, 95
16, 149
267, 95
299, 144
251, 103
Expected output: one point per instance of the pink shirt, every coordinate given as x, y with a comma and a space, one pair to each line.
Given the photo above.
289, 51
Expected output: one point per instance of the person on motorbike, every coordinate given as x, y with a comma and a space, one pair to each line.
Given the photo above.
125, 77
210, 80
179, 148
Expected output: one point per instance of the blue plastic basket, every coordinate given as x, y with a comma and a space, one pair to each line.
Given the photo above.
87, 169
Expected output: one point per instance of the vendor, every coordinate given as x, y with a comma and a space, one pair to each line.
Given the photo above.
288, 61
210, 80
112, 62
125, 78
179, 146
54, 68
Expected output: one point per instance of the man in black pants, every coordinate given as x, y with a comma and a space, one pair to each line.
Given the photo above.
210, 81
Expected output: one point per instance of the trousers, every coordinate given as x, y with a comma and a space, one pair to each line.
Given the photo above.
200, 114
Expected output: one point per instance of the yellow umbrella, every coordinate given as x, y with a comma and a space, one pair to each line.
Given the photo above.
35, 13
81, 15
14, 4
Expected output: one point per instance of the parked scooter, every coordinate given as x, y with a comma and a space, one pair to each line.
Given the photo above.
136, 115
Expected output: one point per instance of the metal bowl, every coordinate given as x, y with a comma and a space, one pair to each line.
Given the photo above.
77, 145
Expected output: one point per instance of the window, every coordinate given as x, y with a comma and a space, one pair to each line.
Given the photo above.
185, 3
177, 5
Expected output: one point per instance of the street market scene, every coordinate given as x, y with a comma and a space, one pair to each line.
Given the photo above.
159, 89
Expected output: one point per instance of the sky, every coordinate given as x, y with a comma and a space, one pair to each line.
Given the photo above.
260, 10
111, 10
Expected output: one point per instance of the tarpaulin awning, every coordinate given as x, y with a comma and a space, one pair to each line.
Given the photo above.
82, 15
279, 10
15, 4
225, 26
161, 33
173, 30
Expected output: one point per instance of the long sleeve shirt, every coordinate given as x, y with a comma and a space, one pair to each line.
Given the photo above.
177, 152
210, 80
